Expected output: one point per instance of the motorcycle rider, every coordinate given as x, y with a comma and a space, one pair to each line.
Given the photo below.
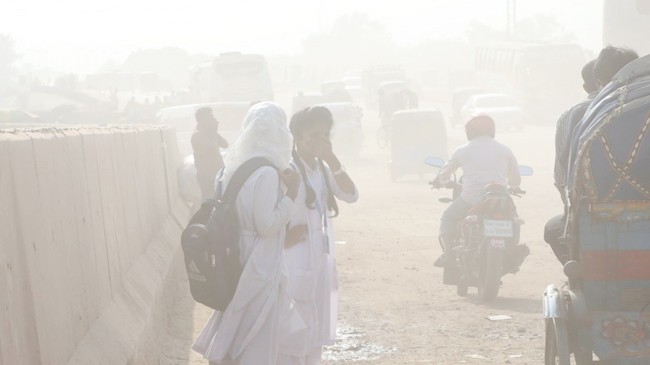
483, 161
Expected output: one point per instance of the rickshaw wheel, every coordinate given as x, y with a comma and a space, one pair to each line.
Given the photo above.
556, 351
583, 356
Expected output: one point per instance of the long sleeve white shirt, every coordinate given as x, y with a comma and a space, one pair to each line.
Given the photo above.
483, 161
248, 330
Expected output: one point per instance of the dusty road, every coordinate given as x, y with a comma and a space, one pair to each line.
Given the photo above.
392, 293
393, 306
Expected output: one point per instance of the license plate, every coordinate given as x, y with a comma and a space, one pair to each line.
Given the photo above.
498, 228
498, 242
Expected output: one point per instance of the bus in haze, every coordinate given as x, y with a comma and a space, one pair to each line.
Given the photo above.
544, 77
232, 77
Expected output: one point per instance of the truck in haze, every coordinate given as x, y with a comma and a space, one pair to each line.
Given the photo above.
232, 77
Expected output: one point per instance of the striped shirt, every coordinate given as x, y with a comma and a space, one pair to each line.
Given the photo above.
563, 135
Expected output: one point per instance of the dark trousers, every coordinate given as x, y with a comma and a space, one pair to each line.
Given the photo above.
455, 213
554, 236
206, 184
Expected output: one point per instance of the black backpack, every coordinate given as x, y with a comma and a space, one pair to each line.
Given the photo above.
210, 243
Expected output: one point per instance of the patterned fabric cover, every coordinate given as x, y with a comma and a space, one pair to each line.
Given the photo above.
610, 151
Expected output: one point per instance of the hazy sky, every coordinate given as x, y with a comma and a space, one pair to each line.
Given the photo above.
81, 34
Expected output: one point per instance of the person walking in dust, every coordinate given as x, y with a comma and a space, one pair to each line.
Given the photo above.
206, 145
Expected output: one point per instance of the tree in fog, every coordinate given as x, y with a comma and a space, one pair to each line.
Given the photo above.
544, 28
169, 63
354, 41
425, 64
539, 28
478, 32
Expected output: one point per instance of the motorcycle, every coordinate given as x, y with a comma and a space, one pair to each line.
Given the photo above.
487, 247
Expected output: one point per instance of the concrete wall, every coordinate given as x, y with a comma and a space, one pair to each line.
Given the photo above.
90, 221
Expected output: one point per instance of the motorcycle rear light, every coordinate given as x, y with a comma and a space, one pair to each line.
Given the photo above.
471, 219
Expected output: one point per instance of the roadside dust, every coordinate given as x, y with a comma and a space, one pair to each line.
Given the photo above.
393, 306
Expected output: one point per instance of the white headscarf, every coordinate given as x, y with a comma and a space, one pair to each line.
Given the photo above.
264, 134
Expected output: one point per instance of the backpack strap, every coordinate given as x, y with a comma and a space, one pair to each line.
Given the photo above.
202, 215
240, 176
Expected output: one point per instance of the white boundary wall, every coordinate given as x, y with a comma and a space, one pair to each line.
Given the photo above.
90, 221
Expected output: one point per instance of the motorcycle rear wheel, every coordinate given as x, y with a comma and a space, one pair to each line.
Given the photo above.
490, 280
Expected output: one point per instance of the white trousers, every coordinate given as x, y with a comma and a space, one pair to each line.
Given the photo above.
312, 358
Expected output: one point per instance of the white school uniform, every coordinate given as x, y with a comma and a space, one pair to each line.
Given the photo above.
248, 331
312, 275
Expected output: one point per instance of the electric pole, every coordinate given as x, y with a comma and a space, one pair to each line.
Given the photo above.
511, 18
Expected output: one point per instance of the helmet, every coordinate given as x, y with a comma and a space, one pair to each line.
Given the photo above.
479, 125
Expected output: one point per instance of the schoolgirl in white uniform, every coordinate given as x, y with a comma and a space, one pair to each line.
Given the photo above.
309, 253
248, 332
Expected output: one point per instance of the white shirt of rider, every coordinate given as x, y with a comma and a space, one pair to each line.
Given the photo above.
483, 161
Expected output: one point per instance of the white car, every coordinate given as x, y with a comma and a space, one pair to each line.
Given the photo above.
503, 108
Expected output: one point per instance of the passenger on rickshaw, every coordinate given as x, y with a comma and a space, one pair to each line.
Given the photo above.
601, 315
391, 101
595, 74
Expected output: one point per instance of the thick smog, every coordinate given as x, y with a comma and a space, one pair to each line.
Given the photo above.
311, 182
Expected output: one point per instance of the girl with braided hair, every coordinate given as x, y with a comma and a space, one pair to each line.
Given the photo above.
309, 249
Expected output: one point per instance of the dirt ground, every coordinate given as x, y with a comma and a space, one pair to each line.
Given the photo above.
393, 306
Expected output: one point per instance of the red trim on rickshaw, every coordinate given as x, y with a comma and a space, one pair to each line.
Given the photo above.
610, 265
